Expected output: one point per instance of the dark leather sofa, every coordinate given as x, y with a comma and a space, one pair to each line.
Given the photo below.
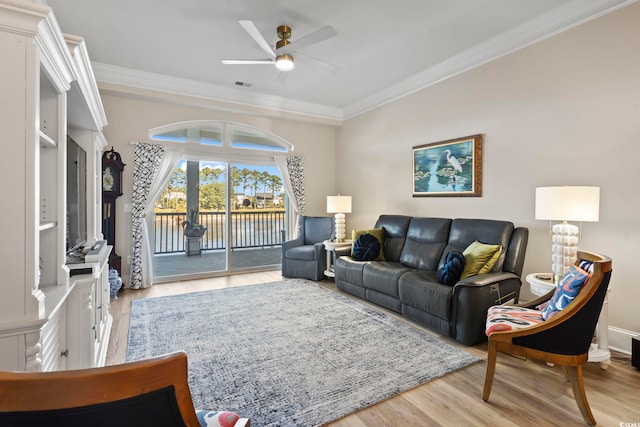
407, 280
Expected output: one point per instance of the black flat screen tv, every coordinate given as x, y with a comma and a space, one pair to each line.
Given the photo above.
76, 196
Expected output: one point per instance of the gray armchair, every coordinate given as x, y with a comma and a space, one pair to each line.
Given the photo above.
305, 256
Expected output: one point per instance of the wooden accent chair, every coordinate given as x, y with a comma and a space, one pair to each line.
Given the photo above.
563, 339
152, 392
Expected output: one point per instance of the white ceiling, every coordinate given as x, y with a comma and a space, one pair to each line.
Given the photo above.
385, 49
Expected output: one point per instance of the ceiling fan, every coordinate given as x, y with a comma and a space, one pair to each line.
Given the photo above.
282, 56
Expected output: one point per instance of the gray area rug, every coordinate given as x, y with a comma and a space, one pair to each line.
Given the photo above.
288, 353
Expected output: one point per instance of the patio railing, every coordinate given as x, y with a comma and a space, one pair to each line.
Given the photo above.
249, 229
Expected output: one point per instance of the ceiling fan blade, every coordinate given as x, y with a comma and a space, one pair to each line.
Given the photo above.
253, 31
313, 38
326, 65
247, 61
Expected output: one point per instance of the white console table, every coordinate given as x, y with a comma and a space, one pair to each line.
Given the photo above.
541, 283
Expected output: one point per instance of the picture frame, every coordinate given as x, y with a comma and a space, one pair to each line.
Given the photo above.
451, 168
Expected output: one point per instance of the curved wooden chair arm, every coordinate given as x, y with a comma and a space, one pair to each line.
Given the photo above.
41, 391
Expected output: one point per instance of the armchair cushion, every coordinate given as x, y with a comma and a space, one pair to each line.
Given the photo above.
506, 318
566, 291
303, 253
480, 258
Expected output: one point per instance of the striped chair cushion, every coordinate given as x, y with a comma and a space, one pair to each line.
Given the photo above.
506, 318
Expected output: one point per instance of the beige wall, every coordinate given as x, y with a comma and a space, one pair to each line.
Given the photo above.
130, 118
565, 111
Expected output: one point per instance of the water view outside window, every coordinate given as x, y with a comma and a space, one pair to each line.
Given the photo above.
256, 199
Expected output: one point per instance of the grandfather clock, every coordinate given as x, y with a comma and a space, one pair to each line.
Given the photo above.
112, 168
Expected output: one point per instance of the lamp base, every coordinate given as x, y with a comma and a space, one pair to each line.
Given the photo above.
341, 227
564, 249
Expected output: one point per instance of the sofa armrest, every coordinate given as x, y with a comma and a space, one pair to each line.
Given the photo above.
472, 297
343, 252
486, 279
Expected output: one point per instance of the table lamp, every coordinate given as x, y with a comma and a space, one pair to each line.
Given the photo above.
567, 203
339, 205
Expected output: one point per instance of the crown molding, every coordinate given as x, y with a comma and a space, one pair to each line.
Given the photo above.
86, 80
547, 25
158, 82
20, 17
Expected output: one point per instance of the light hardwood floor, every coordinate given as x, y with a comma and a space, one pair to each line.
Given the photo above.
525, 392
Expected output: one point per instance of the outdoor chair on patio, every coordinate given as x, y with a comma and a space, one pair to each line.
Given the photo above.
548, 330
146, 393
305, 256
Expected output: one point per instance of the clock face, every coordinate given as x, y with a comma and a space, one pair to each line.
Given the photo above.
108, 179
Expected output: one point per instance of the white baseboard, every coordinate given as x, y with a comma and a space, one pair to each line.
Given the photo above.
620, 339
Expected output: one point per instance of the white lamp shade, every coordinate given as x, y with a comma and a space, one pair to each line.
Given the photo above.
568, 203
338, 204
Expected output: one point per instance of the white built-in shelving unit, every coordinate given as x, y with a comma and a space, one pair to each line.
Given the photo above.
50, 318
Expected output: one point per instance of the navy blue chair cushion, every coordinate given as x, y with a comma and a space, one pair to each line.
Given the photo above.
366, 247
155, 408
452, 268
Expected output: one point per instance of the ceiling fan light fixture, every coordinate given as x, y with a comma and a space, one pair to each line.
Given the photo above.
284, 62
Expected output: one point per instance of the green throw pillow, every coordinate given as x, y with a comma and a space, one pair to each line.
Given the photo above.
378, 233
480, 258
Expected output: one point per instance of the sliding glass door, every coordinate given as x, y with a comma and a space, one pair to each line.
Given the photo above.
224, 208
257, 216
206, 227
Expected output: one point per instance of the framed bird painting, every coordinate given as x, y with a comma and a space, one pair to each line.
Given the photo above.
448, 168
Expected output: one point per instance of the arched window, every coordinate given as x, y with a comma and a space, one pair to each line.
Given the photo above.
222, 137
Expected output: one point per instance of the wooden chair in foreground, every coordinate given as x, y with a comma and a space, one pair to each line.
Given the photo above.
152, 392
563, 339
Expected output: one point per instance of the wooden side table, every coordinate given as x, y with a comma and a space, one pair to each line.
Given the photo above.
541, 283
331, 247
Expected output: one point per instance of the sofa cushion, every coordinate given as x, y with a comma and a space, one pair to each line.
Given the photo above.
383, 276
426, 239
395, 231
378, 233
479, 256
420, 289
450, 272
349, 270
566, 291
